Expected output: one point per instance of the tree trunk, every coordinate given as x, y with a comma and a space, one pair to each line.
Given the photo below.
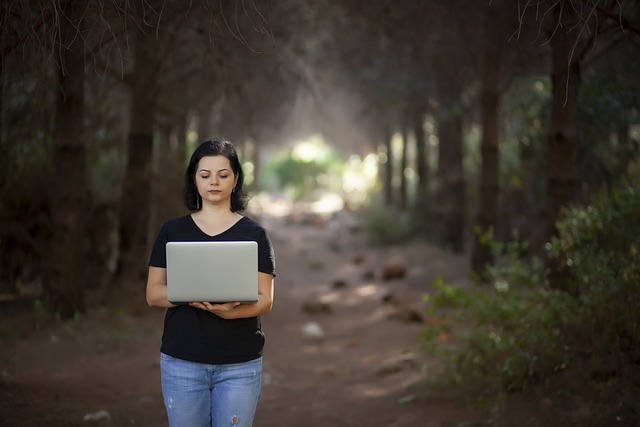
163, 171
136, 198
565, 79
64, 289
422, 162
404, 191
422, 202
256, 154
181, 136
1, 99
482, 257
388, 169
451, 208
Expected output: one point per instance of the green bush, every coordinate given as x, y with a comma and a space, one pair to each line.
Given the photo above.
502, 339
302, 178
511, 266
600, 246
385, 224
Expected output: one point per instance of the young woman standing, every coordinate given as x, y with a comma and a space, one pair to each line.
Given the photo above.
211, 354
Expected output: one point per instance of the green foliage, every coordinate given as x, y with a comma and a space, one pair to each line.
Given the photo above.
25, 175
384, 224
511, 264
301, 177
600, 244
298, 176
523, 147
522, 331
496, 340
610, 99
524, 134
107, 169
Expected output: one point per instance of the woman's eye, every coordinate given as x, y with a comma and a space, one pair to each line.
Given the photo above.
204, 176
224, 176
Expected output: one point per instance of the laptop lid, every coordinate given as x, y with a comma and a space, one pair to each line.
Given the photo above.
212, 271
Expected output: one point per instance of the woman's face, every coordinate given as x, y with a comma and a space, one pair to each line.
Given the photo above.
215, 179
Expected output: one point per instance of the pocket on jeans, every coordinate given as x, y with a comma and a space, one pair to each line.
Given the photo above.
166, 357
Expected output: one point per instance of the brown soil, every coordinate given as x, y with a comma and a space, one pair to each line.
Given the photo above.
367, 370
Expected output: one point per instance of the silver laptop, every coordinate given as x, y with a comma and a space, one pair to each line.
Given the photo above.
212, 271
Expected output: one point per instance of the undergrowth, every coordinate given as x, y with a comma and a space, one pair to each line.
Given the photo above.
385, 224
525, 331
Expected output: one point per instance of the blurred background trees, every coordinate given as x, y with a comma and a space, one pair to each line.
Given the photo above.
505, 131
478, 118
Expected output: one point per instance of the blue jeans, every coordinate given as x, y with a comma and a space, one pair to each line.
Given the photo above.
202, 395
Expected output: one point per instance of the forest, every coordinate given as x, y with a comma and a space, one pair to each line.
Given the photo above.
506, 132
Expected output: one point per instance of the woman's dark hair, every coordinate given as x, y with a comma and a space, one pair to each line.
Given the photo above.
214, 147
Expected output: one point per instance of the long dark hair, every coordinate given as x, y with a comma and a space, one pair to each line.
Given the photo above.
214, 147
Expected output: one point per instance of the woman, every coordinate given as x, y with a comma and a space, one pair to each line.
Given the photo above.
211, 354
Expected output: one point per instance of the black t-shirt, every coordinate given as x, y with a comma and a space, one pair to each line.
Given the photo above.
197, 335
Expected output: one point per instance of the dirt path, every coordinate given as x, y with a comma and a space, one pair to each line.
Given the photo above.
365, 370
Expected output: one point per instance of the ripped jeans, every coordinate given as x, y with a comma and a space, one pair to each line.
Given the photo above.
202, 395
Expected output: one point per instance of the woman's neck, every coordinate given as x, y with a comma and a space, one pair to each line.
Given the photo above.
213, 220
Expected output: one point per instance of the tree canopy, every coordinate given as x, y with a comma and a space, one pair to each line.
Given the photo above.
506, 112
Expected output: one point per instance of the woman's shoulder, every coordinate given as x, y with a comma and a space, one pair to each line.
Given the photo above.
250, 226
249, 223
178, 222
179, 219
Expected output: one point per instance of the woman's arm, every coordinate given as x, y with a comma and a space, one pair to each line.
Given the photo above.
157, 288
235, 310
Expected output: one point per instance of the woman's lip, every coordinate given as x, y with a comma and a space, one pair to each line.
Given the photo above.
214, 191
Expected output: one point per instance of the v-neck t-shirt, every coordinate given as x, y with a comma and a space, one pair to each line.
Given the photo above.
197, 335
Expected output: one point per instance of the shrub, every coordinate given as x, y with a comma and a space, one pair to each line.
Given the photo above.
522, 332
600, 246
511, 267
502, 339
386, 225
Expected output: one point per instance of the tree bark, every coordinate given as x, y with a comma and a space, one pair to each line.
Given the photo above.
388, 169
422, 162
422, 201
404, 191
1, 99
136, 198
64, 288
451, 207
481, 256
563, 141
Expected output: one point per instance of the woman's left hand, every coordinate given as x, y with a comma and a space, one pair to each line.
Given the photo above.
219, 309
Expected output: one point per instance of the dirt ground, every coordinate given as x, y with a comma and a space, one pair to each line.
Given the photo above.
358, 364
